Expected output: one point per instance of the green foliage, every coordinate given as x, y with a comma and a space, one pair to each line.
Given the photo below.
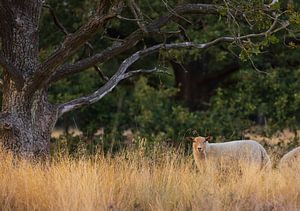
153, 113
265, 95
156, 114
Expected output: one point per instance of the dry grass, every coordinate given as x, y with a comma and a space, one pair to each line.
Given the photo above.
285, 136
132, 181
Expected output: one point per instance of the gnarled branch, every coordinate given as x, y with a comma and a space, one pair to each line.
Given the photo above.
134, 38
122, 73
105, 55
74, 41
65, 31
152, 29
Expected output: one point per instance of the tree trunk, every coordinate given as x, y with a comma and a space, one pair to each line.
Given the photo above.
27, 117
27, 124
197, 81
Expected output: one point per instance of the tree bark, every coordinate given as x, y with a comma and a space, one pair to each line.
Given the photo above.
26, 125
27, 118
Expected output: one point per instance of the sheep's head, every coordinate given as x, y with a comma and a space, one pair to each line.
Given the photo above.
200, 143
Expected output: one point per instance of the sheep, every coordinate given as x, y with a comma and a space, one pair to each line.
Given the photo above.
248, 151
291, 159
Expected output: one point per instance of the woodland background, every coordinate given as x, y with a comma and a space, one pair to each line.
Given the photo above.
220, 91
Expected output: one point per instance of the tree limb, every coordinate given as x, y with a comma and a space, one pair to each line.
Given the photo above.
134, 38
74, 41
13, 72
152, 29
122, 73
134, 72
65, 31
101, 74
105, 55
56, 20
137, 14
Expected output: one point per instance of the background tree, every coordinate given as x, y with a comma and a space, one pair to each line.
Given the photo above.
28, 117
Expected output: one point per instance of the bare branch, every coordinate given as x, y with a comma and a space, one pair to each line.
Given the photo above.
127, 19
110, 85
119, 76
13, 72
152, 29
137, 13
122, 73
170, 9
74, 41
183, 10
65, 31
105, 55
56, 20
101, 74
61, 26
134, 72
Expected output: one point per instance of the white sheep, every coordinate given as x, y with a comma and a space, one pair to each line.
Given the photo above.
291, 159
242, 150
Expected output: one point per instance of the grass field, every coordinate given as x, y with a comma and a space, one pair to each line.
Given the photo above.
166, 180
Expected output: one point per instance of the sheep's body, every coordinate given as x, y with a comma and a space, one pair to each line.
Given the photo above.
291, 159
247, 151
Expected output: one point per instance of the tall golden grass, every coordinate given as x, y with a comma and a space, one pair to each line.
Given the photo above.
165, 180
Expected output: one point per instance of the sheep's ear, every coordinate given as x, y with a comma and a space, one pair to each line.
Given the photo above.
190, 138
208, 138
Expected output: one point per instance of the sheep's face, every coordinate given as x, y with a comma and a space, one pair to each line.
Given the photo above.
200, 144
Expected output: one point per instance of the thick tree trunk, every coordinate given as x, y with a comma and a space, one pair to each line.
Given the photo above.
27, 124
27, 118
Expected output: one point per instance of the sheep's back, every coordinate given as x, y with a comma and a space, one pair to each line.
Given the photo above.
291, 159
246, 150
